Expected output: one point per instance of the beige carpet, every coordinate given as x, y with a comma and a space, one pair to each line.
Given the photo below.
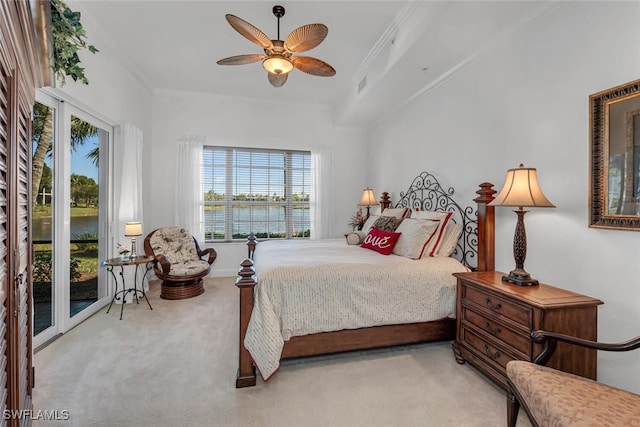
175, 366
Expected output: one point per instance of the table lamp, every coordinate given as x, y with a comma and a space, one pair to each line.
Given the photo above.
368, 199
521, 190
133, 229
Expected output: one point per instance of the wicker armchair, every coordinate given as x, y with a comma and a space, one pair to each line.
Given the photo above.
555, 398
177, 261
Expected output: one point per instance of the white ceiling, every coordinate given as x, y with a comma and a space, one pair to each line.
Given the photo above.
175, 44
401, 48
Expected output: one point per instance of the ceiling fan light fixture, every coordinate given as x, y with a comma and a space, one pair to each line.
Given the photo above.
277, 64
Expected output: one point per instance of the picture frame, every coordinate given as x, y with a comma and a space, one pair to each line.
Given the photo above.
614, 191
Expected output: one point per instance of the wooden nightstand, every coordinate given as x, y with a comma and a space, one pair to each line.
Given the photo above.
494, 320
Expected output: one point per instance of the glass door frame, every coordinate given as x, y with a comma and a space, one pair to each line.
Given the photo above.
61, 230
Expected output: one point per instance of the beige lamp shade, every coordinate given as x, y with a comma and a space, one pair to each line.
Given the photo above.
132, 229
368, 198
521, 189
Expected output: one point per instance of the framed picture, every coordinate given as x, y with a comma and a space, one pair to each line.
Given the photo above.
614, 191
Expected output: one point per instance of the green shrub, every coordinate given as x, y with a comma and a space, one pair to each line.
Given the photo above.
43, 270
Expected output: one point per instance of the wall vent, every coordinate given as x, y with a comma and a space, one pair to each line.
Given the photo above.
362, 84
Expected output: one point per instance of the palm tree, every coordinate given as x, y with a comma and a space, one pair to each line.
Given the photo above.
43, 137
42, 134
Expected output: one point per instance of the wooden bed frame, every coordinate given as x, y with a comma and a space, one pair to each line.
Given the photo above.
418, 196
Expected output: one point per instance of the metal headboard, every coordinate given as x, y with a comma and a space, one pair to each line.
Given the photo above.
426, 193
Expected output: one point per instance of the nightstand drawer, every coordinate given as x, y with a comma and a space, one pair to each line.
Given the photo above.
492, 354
500, 306
516, 340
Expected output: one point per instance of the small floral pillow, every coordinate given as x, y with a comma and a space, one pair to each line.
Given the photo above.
387, 223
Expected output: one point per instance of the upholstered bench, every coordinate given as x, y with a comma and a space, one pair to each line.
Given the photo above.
554, 398
177, 260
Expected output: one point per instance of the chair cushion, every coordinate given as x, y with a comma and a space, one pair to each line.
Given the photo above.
176, 244
557, 398
189, 268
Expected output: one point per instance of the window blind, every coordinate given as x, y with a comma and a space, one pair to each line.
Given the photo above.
260, 191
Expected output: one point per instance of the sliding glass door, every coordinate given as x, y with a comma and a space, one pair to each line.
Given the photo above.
71, 152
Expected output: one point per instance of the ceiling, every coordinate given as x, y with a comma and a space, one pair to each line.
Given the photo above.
390, 50
175, 44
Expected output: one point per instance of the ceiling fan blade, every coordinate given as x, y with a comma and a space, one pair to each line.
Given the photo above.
241, 59
306, 37
277, 80
249, 31
313, 66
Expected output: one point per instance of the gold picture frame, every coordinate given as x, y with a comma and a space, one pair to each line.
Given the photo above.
614, 191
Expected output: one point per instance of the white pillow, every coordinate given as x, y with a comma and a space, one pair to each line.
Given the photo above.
439, 215
414, 237
442, 218
355, 237
399, 213
369, 223
450, 239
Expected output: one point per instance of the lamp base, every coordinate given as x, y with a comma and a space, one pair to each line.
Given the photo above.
134, 255
520, 278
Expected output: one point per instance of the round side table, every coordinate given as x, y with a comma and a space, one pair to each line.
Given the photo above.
136, 262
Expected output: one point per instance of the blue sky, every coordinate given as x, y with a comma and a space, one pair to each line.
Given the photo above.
80, 165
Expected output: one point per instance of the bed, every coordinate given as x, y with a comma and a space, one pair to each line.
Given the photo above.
407, 300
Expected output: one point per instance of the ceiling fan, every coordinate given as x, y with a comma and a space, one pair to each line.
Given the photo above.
278, 58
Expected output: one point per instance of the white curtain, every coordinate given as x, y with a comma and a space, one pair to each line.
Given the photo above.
127, 153
320, 207
189, 200
128, 176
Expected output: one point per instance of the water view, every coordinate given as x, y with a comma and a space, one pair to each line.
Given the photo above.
81, 227
260, 220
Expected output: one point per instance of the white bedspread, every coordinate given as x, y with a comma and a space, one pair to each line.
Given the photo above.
306, 287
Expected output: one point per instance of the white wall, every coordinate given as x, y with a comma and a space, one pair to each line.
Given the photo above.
238, 122
526, 101
114, 93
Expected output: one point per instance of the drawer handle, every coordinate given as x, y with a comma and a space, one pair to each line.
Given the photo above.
492, 356
493, 307
494, 331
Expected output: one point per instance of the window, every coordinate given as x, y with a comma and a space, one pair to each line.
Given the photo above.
264, 192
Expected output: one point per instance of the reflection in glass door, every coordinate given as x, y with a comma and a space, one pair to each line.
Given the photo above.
71, 151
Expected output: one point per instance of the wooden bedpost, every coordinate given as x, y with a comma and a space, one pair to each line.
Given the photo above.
385, 201
486, 228
246, 281
251, 245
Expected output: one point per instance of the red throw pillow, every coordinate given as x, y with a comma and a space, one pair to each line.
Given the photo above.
380, 241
